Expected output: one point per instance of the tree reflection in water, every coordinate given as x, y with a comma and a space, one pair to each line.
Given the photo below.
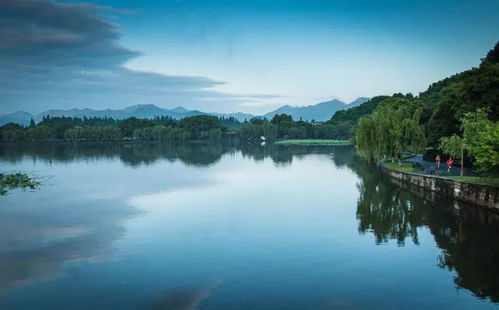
139, 153
467, 235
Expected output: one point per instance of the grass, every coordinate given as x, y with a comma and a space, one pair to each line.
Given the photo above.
403, 168
476, 179
16, 180
312, 142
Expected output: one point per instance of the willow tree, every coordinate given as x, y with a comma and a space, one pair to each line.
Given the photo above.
390, 131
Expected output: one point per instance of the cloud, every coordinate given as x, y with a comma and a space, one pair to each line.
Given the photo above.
65, 55
44, 32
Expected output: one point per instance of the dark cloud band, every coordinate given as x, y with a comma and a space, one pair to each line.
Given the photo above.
61, 55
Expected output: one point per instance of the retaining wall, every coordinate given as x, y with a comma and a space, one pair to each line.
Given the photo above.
478, 194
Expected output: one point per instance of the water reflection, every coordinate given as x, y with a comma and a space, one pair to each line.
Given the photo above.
34, 244
132, 154
468, 236
135, 154
473, 253
67, 223
383, 209
182, 298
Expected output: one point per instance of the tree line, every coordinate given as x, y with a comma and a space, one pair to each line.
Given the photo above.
202, 127
282, 126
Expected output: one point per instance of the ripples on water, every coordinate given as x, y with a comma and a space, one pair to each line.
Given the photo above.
216, 226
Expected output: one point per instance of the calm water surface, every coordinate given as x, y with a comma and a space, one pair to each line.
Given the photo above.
220, 227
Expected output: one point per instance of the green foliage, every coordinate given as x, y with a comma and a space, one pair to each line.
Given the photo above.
257, 128
11, 132
107, 129
282, 120
392, 129
343, 122
482, 139
447, 101
454, 114
107, 133
492, 55
201, 127
283, 126
128, 125
16, 180
452, 145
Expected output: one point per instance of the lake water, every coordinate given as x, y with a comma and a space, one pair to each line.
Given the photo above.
153, 226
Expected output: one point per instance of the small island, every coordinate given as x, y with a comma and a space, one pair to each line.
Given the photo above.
312, 142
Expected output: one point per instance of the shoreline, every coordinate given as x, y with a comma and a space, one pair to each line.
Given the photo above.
479, 194
326, 142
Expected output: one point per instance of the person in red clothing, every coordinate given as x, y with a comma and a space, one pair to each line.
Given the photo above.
450, 162
437, 160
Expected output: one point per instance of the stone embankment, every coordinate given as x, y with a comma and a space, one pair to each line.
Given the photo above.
483, 195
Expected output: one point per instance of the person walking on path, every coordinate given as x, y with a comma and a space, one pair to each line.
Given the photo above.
437, 160
450, 162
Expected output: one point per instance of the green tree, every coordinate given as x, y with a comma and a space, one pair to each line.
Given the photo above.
482, 138
454, 146
391, 130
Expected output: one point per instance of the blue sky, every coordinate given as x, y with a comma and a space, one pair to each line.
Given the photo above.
252, 56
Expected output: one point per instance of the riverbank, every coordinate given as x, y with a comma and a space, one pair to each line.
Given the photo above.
419, 168
460, 188
312, 142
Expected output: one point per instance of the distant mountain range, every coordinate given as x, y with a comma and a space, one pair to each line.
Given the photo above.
318, 112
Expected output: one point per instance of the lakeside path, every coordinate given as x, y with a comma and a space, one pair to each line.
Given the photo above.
428, 168
441, 171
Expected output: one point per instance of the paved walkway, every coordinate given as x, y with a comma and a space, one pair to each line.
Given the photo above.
429, 167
